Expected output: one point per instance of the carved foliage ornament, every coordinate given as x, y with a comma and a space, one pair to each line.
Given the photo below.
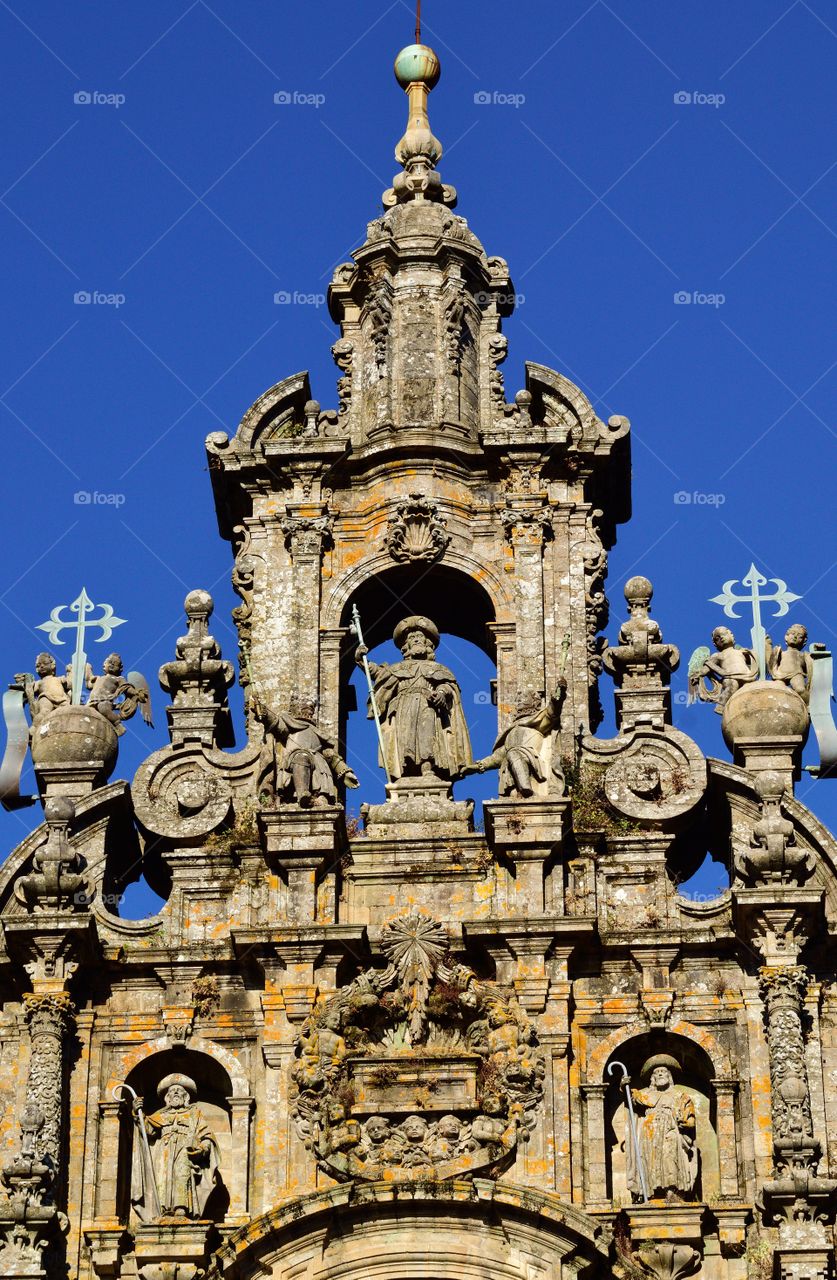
417, 530
418, 1070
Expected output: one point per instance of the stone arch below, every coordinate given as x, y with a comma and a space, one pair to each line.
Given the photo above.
132, 1059
446, 1231
473, 595
706, 1043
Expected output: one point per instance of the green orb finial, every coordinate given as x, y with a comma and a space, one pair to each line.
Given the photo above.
417, 64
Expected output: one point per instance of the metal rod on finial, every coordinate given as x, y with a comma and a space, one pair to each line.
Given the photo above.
418, 21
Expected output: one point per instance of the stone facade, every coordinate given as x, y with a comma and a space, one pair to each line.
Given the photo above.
415, 1049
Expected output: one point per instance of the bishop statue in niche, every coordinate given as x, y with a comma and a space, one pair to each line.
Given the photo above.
420, 707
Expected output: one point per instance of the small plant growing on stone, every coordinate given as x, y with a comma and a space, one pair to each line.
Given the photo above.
759, 1259
382, 1077
206, 996
243, 832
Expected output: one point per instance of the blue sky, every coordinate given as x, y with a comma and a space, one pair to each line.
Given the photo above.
619, 155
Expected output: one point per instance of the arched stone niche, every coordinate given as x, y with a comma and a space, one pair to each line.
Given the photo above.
225, 1106
447, 1231
463, 599
707, 1076
695, 1079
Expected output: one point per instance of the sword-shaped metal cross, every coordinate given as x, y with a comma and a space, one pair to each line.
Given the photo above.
83, 606
781, 597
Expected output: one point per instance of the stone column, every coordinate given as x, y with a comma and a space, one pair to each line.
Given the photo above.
238, 1181
51, 1018
595, 1148
796, 1198
526, 528
307, 533
107, 1169
725, 1092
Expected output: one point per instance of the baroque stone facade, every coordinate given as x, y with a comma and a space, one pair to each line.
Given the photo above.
416, 1048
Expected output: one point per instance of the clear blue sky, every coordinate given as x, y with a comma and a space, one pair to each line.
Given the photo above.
181, 185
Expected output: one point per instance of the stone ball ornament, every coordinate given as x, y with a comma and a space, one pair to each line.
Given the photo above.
73, 735
417, 64
764, 709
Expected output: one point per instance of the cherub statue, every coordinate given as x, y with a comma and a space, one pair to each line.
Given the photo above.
525, 751
727, 670
791, 666
115, 696
302, 765
46, 692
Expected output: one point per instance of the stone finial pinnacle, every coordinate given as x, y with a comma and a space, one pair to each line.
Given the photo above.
417, 70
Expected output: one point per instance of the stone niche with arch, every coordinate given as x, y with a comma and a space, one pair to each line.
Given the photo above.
452, 597
696, 1079
214, 1098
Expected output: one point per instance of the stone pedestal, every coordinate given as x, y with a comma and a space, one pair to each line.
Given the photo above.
668, 1239
108, 1246
419, 808
528, 833
306, 844
172, 1247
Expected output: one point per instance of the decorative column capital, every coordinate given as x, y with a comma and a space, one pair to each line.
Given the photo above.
526, 525
50, 1014
306, 535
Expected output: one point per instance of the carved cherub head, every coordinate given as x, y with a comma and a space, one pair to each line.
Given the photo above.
722, 638
377, 1129
45, 664
113, 665
414, 1129
449, 1127
796, 636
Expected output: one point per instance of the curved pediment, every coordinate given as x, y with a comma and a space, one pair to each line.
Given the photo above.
479, 1230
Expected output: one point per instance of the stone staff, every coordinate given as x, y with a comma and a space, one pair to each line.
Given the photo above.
140, 1118
373, 702
626, 1084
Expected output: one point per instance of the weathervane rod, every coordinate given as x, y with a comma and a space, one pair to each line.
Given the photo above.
418, 21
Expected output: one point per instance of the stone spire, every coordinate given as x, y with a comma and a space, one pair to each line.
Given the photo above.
417, 70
